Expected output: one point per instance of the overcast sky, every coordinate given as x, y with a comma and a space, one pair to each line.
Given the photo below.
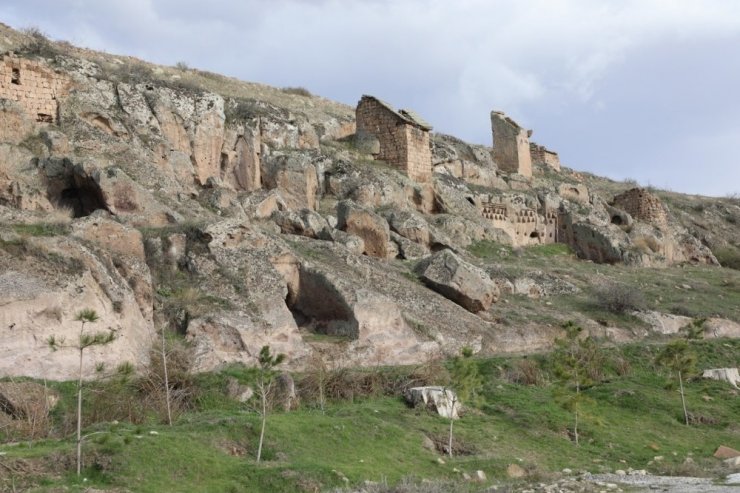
644, 89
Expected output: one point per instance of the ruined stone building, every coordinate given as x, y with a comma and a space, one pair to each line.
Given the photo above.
543, 156
33, 86
510, 145
403, 137
642, 206
524, 225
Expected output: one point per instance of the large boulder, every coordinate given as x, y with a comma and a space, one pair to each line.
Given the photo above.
457, 280
364, 223
729, 375
441, 400
304, 222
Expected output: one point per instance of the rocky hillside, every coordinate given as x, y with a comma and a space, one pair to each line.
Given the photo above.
240, 215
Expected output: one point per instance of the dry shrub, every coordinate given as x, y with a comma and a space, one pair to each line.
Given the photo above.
619, 298
647, 244
25, 409
182, 384
348, 384
622, 365
525, 372
298, 91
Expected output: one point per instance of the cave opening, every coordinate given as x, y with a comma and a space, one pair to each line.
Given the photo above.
83, 196
617, 220
317, 306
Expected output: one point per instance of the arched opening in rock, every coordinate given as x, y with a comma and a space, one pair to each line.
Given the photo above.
617, 220
534, 234
83, 196
316, 304
69, 189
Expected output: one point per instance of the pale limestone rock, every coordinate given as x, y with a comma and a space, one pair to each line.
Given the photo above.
663, 323
366, 224
304, 222
294, 176
37, 308
441, 400
729, 375
459, 281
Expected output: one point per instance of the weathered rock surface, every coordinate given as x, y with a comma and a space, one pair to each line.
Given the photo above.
364, 223
458, 280
441, 400
729, 375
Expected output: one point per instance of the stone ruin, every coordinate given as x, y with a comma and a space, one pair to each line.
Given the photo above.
402, 135
543, 156
643, 206
524, 225
33, 86
510, 145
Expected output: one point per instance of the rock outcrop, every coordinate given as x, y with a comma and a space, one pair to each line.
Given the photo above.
456, 279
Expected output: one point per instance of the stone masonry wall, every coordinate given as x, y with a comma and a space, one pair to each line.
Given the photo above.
401, 144
510, 145
643, 206
33, 86
541, 155
418, 154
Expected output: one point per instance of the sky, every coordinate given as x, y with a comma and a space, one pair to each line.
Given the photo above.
647, 90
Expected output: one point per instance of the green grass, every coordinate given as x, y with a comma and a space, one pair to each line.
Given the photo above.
630, 420
713, 291
42, 229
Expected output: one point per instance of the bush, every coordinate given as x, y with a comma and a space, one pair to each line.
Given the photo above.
728, 257
38, 43
619, 298
525, 372
298, 91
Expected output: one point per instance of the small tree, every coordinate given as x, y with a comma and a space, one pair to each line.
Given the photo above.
576, 362
267, 363
466, 384
85, 341
166, 378
678, 357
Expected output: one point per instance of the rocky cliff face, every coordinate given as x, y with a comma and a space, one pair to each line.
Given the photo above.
241, 215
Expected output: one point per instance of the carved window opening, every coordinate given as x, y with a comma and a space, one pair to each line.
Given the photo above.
15, 76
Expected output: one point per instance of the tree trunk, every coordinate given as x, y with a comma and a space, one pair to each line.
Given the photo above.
683, 399
166, 380
575, 430
79, 418
449, 443
263, 394
578, 392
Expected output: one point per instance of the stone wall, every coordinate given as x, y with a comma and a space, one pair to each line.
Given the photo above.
523, 225
510, 145
643, 206
403, 143
33, 86
543, 156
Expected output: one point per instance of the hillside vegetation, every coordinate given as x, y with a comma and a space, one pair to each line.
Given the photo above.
633, 419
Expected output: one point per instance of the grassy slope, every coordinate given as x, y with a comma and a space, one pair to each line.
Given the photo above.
632, 420
712, 291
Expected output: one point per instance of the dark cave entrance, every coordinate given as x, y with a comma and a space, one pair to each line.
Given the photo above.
617, 220
83, 196
316, 305
73, 189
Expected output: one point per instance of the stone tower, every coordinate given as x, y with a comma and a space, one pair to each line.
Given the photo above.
403, 137
510, 145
